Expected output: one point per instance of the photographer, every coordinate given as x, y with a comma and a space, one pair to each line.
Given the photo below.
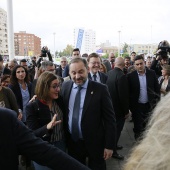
44, 53
161, 57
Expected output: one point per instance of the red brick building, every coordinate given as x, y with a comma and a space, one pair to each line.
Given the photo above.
26, 44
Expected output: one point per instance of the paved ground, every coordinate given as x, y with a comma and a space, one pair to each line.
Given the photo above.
127, 141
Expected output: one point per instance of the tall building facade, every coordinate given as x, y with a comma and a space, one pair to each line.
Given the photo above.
26, 44
3, 33
144, 48
85, 40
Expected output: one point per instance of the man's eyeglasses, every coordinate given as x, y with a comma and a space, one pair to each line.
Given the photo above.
10, 67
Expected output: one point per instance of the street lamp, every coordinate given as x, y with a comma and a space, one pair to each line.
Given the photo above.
11, 52
54, 44
151, 51
119, 44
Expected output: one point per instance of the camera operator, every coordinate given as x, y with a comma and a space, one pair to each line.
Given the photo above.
161, 57
44, 53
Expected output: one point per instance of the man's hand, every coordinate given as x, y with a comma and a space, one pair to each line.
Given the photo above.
158, 56
33, 98
107, 153
20, 116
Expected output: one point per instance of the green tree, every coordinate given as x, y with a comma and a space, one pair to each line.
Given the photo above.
125, 54
125, 47
57, 53
105, 56
68, 50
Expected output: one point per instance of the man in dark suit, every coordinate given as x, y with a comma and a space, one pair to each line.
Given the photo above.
94, 62
118, 87
110, 62
94, 135
17, 139
144, 94
75, 54
60, 69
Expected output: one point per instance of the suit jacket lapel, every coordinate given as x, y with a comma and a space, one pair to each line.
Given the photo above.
89, 94
89, 76
101, 77
137, 82
147, 80
68, 91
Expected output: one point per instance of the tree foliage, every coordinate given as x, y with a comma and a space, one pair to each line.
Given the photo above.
125, 47
66, 52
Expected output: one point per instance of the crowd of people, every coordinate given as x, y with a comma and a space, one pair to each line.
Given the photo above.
80, 106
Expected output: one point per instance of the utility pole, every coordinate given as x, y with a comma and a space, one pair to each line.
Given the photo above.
10, 30
54, 44
119, 44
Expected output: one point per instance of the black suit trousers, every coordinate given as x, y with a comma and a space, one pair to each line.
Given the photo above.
120, 121
79, 151
140, 117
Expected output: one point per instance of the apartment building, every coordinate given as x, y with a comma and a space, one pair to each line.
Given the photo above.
85, 40
144, 48
26, 44
3, 33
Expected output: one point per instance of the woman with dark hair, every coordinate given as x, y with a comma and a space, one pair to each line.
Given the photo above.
45, 114
7, 98
5, 80
21, 87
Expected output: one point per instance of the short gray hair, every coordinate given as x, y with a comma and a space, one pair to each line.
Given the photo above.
45, 64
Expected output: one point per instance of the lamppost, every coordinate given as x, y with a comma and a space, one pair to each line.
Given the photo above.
10, 30
130, 47
151, 52
119, 44
54, 44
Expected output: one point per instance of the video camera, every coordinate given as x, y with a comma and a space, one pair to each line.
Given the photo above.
164, 48
44, 52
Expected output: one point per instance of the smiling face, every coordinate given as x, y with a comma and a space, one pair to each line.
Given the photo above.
54, 89
78, 73
94, 65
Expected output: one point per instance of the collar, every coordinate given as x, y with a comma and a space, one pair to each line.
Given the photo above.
97, 74
21, 85
141, 74
84, 85
43, 101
